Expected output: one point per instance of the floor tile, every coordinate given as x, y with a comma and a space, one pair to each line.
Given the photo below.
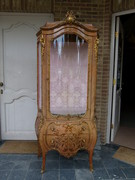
7, 166
108, 150
21, 165
111, 163
64, 158
67, 164
115, 173
2, 161
35, 165
28, 166
4, 174
83, 155
67, 175
17, 175
33, 175
81, 164
51, 175
100, 174
34, 157
52, 155
52, 165
3, 157
97, 155
106, 155
19, 157
97, 164
110, 147
129, 172
83, 174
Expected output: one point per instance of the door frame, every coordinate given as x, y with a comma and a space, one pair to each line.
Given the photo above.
111, 74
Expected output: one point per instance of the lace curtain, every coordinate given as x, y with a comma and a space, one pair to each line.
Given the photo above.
68, 75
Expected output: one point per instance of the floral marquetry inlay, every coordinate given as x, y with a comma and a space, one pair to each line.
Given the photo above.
67, 138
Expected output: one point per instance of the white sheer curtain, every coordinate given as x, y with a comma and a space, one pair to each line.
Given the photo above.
68, 75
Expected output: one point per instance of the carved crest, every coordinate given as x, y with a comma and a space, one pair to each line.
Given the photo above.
70, 17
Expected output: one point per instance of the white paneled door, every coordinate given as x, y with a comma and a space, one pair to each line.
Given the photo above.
18, 73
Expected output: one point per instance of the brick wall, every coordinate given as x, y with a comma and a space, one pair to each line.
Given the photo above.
122, 5
30, 6
105, 69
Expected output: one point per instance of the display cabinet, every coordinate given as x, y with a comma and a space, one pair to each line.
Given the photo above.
66, 61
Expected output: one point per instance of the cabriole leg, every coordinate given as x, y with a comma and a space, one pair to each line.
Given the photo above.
90, 159
43, 162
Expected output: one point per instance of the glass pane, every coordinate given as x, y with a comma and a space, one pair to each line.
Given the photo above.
68, 75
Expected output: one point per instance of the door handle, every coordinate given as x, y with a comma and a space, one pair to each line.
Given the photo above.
1, 84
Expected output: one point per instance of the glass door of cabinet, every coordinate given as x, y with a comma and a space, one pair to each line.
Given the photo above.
68, 75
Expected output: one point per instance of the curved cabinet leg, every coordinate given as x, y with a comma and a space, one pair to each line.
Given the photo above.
90, 159
43, 162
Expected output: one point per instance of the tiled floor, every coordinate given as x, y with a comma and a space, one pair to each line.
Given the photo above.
27, 167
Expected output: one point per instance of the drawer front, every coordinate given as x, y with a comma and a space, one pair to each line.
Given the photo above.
67, 138
66, 143
62, 128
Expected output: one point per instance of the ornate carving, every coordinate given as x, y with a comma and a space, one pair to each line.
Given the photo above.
70, 17
39, 122
96, 48
38, 125
67, 137
42, 41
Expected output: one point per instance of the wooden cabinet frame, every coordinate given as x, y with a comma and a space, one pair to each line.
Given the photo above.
65, 133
